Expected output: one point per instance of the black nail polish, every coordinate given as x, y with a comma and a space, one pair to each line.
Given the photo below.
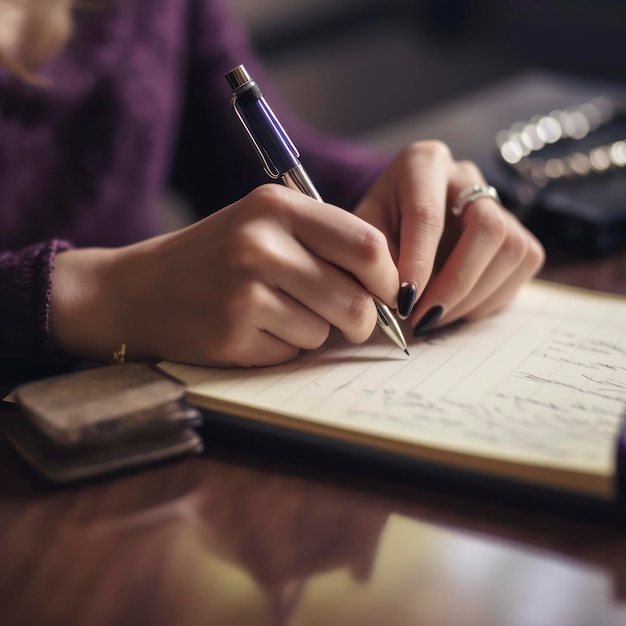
428, 322
406, 299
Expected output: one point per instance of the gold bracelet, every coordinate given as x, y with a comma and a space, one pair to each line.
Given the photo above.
120, 355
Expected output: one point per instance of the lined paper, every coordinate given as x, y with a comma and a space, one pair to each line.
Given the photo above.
542, 383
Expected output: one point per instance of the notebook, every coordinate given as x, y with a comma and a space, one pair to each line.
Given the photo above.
534, 394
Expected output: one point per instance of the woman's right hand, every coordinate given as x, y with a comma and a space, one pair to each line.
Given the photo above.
249, 285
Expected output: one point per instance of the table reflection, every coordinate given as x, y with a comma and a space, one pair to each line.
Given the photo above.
212, 542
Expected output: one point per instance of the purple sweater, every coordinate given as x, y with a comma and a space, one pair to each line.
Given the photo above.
137, 101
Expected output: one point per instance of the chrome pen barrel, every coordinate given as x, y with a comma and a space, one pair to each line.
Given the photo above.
296, 178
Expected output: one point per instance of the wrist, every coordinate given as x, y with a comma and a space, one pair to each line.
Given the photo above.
84, 319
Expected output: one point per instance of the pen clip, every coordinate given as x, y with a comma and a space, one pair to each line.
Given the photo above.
270, 169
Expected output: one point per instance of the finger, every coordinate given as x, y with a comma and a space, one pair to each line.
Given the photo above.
326, 292
507, 290
422, 202
346, 241
272, 329
483, 230
513, 251
263, 349
474, 251
295, 324
241, 346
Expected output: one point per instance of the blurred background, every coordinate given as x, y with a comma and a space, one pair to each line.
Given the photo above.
351, 66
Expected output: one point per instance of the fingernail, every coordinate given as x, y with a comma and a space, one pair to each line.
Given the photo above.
428, 322
406, 299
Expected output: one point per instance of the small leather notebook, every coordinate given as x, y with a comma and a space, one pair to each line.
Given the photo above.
101, 420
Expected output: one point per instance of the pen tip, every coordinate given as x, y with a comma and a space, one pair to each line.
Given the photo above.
406, 352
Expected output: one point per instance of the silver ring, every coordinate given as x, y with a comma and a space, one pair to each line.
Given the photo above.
471, 194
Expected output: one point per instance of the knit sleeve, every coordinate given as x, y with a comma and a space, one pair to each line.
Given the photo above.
25, 285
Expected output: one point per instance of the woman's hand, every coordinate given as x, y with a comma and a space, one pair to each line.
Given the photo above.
450, 267
249, 285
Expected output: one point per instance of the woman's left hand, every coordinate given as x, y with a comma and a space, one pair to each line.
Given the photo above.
450, 267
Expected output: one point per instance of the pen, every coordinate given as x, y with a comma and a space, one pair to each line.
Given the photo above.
280, 159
